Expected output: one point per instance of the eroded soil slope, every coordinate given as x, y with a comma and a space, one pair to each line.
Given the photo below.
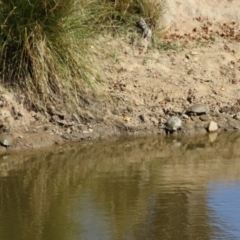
197, 60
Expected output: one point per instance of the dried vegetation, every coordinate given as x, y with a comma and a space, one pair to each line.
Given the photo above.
45, 46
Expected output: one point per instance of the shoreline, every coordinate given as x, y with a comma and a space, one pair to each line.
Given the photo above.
145, 84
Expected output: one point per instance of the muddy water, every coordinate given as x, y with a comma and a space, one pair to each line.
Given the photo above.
128, 188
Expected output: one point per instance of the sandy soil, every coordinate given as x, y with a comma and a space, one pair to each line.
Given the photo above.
198, 60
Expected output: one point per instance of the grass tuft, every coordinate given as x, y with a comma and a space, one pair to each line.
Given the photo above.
45, 48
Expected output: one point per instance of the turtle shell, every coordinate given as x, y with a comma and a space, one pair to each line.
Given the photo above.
6, 140
173, 123
197, 108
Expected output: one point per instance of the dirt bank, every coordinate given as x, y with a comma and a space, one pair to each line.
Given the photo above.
198, 60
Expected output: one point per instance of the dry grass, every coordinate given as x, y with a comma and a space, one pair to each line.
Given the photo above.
44, 45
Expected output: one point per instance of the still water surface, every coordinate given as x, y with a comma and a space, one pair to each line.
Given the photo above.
128, 188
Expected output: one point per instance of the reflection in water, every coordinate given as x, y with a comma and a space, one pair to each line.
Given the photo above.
132, 188
225, 214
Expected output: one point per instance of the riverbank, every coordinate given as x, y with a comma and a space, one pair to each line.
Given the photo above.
197, 60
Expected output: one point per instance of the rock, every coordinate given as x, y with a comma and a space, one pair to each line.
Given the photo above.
194, 53
237, 116
185, 116
195, 119
115, 112
204, 118
212, 126
21, 113
189, 124
235, 124
154, 121
68, 130
222, 122
130, 109
142, 118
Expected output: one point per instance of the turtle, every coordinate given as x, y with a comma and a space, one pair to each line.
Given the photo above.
6, 140
173, 123
197, 108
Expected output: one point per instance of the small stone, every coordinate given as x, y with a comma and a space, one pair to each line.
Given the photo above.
65, 137
237, 116
212, 126
127, 119
222, 124
154, 121
185, 116
194, 53
68, 130
115, 112
235, 124
90, 130
20, 114
142, 118
130, 109
189, 124
195, 118
204, 118
45, 128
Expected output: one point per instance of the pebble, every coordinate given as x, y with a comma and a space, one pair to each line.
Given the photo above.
68, 130
212, 126
189, 124
154, 121
142, 118
237, 116
204, 118
194, 53
195, 118
235, 124
185, 116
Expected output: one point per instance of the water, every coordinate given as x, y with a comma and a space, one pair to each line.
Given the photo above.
128, 188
